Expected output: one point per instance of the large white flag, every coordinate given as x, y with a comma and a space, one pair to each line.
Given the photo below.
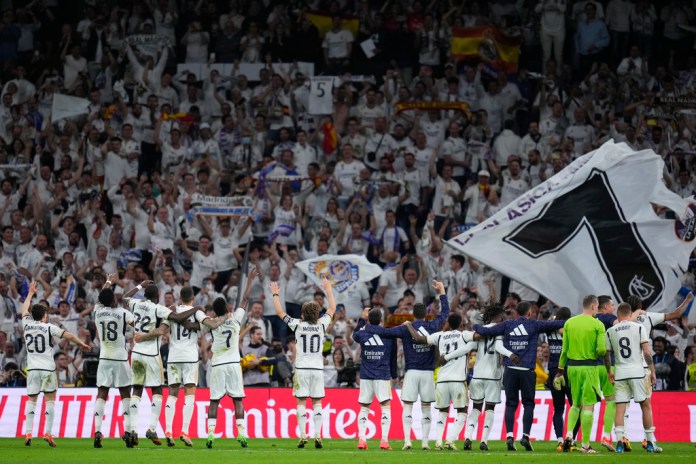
342, 270
592, 229
65, 106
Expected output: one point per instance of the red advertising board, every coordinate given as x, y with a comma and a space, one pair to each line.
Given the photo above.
271, 413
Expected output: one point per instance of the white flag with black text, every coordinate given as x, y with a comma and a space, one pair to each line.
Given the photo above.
592, 229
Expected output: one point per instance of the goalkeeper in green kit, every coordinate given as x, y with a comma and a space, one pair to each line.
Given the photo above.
583, 342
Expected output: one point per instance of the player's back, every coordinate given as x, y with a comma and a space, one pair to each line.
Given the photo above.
488, 364
626, 340
38, 341
555, 341
582, 334
112, 325
447, 342
225, 344
183, 343
376, 355
148, 316
309, 339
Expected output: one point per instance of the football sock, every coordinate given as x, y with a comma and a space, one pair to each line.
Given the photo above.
98, 414
135, 403
362, 422
455, 429
211, 425
241, 429
650, 434
125, 405
573, 416
50, 408
619, 431
471, 425
188, 412
318, 420
586, 427
302, 420
29, 417
487, 424
155, 411
425, 423
386, 422
407, 418
169, 412
440, 425
609, 413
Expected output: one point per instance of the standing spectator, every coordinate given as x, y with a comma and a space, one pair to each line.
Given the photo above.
196, 42
669, 370
338, 46
552, 29
257, 372
618, 16
591, 39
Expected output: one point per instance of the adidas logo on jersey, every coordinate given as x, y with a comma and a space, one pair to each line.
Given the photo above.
519, 331
375, 340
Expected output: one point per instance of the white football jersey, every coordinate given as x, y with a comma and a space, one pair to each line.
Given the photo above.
626, 340
183, 343
226, 339
650, 320
448, 342
112, 324
38, 341
488, 364
310, 341
148, 316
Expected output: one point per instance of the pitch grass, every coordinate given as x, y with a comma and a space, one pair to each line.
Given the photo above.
334, 452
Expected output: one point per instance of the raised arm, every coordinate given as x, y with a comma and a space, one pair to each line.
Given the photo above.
679, 312
253, 274
277, 305
27, 301
328, 289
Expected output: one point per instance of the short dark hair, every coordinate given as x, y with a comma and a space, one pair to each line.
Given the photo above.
186, 293
454, 320
523, 308
419, 311
219, 305
106, 297
662, 340
563, 313
492, 312
603, 299
38, 311
151, 292
460, 259
635, 302
374, 317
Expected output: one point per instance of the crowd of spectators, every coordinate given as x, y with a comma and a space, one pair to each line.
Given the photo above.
111, 190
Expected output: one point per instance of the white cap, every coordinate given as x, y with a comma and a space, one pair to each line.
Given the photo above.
484, 173
204, 125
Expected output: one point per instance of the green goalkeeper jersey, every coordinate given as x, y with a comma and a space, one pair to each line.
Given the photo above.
583, 340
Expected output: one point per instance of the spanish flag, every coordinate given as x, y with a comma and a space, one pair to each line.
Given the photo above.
324, 22
330, 142
487, 44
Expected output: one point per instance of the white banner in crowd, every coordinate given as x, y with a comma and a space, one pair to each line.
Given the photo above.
321, 95
208, 205
66, 106
342, 270
250, 70
592, 229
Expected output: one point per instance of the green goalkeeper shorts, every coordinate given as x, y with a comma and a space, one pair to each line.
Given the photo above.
604, 383
584, 385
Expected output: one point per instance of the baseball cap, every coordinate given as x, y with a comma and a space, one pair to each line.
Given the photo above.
204, 125
484, 173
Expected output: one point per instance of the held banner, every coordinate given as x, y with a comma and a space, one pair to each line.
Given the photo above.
270, 413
